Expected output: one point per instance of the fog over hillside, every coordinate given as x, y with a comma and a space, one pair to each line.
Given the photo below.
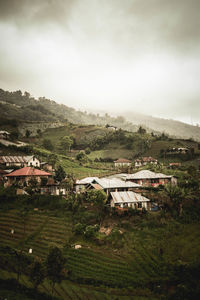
111, 55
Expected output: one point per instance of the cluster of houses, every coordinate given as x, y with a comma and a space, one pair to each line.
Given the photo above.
138, 163
123, 190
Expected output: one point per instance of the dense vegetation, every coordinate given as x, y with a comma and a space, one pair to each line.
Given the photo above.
132, 255
144, 256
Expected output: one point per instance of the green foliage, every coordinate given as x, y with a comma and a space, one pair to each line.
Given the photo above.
66, 143
52, 159
141, 130
55, 264
87, 150
97, 197
47, 144
37, 273
60, 174
79, 228
28, 133
81, 156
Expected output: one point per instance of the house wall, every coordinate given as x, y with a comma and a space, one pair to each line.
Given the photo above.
122, 164
134, 205
21, 180
34, 162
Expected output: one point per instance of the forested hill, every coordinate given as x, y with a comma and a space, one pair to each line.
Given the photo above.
24, 107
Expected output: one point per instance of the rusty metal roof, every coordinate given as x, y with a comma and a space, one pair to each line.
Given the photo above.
28, 171
128, 197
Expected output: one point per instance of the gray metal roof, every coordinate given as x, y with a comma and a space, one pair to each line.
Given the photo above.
15, 159
107, 183
128, 197
146, 174
86, 180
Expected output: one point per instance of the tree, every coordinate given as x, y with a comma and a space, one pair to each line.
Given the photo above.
97, 197
66, 143
47, 144
60, 174
55, 265
52, 159
28, 133
81, 156
39, 132
14, 135
141, 130
37, 274
175, 196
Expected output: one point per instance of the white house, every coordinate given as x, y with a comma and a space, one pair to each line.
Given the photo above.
122, 162
20, 161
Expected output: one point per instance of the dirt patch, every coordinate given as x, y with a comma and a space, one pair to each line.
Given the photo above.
106, 230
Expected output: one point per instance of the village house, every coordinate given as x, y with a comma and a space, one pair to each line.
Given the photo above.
53, 188
144, 161
122, 162
149, 178
46, 167
82, 184
112, 185
19, 161
4, 134
129, 199
25, 175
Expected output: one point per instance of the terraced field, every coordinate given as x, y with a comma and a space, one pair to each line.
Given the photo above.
103, 272
90, 269
39, 231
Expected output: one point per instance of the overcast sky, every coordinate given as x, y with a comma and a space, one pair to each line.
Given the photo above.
105, 55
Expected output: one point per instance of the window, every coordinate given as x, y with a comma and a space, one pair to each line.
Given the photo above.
139, 204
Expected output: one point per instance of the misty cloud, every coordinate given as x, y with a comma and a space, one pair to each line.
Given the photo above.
104, 55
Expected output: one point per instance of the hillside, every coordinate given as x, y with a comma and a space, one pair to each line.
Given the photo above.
25, 108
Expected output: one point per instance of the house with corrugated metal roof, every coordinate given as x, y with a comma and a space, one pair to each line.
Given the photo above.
129, 199
122, 162
113, 185
20, 161
149, 178
82, 184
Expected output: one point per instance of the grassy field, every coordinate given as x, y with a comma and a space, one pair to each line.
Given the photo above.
121, 268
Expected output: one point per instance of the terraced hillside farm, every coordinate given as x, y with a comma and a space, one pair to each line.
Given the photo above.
133, 266
86, 266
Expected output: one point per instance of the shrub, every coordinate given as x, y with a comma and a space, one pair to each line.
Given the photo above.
79, 228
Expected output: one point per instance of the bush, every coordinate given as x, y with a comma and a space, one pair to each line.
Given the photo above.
90, 231
79, 228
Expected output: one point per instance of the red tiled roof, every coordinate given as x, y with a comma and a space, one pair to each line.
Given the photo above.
122, 160
28, 171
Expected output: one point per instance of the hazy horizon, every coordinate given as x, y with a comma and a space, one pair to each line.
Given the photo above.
105, 56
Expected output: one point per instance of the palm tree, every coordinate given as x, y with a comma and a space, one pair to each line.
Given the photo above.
174, 198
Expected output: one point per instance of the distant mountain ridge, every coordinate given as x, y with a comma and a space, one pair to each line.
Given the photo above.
172, 127
25, 108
